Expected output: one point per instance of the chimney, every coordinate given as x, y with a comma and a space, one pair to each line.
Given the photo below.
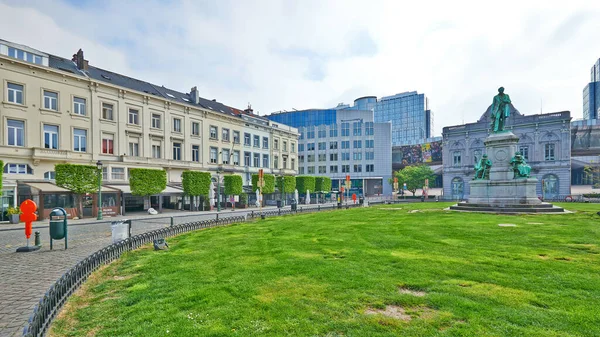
194, 94
249, 109
82, 64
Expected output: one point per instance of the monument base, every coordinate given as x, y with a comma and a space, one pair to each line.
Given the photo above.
500, 193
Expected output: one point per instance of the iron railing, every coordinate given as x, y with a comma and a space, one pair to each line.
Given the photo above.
58, 293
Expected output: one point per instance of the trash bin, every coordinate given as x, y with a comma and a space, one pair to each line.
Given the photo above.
279, 203
422, 198
58, 226
120, 230
339, 205
294, 205
361, 200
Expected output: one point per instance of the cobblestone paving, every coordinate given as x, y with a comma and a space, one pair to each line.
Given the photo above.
25, 277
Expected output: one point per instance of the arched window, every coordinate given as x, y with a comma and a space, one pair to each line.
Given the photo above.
50, 175
550, 186
457, 188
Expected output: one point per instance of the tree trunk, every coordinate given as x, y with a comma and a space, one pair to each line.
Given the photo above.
80, 204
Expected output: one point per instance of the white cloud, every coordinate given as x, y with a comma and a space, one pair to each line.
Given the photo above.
303, 54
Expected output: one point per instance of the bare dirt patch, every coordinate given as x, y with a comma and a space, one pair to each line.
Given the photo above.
390, 208
543, 256
392, 311
413, 292
122, 278
563, 258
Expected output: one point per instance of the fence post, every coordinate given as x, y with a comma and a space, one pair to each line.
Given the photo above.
279, 210
217, 217
172, 221
319, 208
252, 214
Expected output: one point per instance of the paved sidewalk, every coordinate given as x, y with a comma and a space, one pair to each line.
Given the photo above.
25, 277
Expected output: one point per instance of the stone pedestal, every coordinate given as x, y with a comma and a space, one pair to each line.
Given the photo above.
501, 147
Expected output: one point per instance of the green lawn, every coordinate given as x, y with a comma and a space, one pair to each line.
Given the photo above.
326, 274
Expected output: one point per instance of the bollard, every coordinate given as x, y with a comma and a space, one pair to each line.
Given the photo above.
171, 222
252, 214
37, 239
217, 217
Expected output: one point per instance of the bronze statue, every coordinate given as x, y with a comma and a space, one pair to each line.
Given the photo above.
500, 110
482, 168
520, 167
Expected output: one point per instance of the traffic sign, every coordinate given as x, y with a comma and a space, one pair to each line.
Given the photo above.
395, 180
347, 178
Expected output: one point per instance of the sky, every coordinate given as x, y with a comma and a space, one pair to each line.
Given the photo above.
284, 55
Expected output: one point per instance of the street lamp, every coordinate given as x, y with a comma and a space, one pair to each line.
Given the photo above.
282, 179
219, 170
99, 167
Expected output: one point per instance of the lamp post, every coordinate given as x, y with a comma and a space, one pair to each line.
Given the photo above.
219, 169
282, 178
99, 166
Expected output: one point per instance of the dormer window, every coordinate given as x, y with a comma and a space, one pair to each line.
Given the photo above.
25, 56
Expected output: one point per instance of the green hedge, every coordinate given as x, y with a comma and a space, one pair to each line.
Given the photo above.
304, 183
591, 195
287, 184
233, 184
79, 179
322, 184
196, 183
269, 183
145, 182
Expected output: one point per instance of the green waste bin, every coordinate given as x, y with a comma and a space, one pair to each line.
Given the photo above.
58, 225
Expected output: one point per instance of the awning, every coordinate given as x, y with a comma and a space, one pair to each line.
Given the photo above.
127, 190
48, 187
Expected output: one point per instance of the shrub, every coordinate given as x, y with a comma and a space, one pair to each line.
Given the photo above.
269, 183
304, 183
144, 182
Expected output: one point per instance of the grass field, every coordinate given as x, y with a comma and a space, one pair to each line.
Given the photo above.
380, 271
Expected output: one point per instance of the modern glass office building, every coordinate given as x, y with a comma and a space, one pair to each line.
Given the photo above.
409, 113
591, 94
341, 142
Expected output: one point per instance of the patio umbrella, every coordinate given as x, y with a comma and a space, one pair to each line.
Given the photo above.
211, 194
296, 195
257, 197
307, 197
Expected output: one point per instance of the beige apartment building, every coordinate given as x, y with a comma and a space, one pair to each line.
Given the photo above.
55, 110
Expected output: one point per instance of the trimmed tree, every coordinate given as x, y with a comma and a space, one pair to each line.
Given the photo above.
79, 179
304, 183
286, 184
269, 183
322, 184
233, 185
147, 182
414, 177
196, 184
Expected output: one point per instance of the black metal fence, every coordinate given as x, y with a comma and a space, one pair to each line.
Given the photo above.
47, 308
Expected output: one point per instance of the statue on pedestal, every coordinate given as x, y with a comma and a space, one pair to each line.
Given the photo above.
482, 168
520, 167
500, 110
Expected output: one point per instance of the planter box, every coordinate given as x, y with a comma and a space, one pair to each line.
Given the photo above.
13, 218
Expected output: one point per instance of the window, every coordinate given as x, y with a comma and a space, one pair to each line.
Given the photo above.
117, 173
345, 144
195, 129
357, 155
104, 173
310, 133
369, 144
195, 153
247, 159
293, 147
107, 111
177, 125
225, 135
357, 128
176, 151
284, 146
322, 133
345, 129
333, 130
311, 170
293, 164
50, 100
333, 156
225, 156
236, 137
333, 169
345, 156
300, 147
368, 129
23, 55
79, 106
275, 144
16, 132
357, 168
301, 159
155, 121
236, 157
370, 168
107, 144
550, 186
257, 160
214, 155
456, 158
333, 145
358, 144
322, 169
301, 170
134, 117
15, 93
18, 169
256, 141
79, 140
370, 155
156, 153
310, 158
265, 160
322, 146
549, 151
265, 143
310, 147
457, 188
50, 175
275, 162
524, 151
134, 147
247, 139
345, 168
323, 157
